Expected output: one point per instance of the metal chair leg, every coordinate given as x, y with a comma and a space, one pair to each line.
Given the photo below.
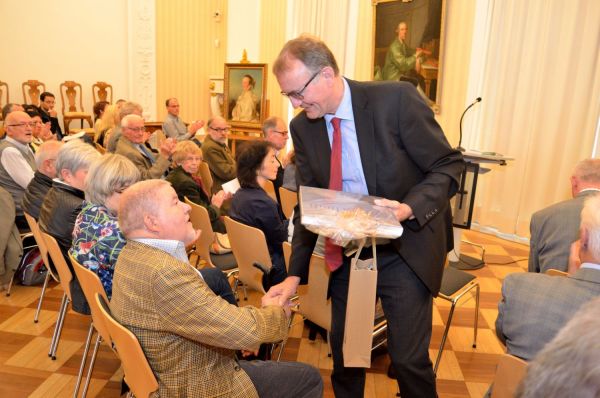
58, 329
476, 316
329, 344
245, 292
91, 367
10, 284
83, 360
39, 307
285, 340
236, 284
446, 329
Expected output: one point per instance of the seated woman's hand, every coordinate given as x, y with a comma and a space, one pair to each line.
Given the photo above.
219, 198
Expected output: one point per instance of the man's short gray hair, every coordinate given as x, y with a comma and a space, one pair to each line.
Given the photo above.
270, 124
107, 175
75, 155
138, 200
129, 108
47, 150
568, 365
308, 49
588, 170
129, 118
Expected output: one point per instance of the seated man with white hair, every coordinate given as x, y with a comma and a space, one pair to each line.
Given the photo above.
131, 145
189, 334
535, 307
64, 201
45, 159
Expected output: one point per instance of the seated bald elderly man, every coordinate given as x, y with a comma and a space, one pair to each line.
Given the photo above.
189, 334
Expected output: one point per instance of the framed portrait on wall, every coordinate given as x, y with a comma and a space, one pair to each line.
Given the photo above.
245, 88
408, 44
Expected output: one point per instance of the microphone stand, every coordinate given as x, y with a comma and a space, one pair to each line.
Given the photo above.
459, 147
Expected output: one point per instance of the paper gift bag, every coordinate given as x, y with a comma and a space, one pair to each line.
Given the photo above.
360, 311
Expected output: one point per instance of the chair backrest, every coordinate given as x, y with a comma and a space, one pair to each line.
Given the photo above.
509, 373
555, 272
72, 91
201, 220
4, 95
64, 273
37, 235
249, 246
138, 373
205, 176
91, 285
102, 91
31, 91
289, 200
312, 297
270, 189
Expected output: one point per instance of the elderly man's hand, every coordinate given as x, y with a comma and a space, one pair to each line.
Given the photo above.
168, 147
197, 125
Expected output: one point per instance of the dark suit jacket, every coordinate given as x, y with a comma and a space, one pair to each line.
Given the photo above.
405, 156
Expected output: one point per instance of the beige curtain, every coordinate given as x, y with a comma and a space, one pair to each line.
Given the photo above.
541, 102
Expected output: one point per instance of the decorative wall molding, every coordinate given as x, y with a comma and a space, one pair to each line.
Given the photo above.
142, 55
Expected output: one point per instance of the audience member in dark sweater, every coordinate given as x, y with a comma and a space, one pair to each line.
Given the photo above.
252, 206
64, 201
47, 101
187, 183
45, 159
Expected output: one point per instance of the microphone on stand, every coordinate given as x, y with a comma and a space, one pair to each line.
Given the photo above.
459, 147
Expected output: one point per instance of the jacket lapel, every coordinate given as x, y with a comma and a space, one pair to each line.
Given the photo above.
365, 132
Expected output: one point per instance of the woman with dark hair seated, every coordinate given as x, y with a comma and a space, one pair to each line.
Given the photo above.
252, 206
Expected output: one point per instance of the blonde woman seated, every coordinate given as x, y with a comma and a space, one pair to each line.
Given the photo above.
97, 238
106, 125
187, 183
245, 106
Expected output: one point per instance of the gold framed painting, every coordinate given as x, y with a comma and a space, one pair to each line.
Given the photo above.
244, 95
408, 44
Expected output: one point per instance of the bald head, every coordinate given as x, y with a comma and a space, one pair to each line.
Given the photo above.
136, 203
18, 127
586, 175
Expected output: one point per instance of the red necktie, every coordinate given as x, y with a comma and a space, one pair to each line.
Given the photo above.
333, 252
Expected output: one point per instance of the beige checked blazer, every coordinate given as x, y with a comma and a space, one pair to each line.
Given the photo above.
187, 332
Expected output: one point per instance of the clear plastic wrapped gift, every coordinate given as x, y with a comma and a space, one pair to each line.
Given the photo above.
345, 216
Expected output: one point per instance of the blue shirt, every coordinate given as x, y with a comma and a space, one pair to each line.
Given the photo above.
353, 177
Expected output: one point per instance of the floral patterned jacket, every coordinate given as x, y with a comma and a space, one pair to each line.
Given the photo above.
97, 242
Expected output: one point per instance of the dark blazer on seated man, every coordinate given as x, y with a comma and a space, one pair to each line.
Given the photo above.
554, 228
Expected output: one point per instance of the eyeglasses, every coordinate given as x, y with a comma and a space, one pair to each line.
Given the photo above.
137, 129
282, 133
30, 124
220, 129
193, 158
297, 95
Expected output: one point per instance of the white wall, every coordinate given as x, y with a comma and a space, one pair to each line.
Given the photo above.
54, 41
243, 30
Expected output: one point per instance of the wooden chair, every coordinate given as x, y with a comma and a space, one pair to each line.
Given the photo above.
138, 373
204, 173
31, 91
455, 284
270, 189
91, 285
201, 220
72, 105
65, 278
555, 272
289, 200
4, 95
249, 246
509, 373
102, 91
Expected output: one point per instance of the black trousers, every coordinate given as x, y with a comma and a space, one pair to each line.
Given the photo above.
407, 304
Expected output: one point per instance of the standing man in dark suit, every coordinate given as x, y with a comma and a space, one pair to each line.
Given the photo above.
392, 147
554, 228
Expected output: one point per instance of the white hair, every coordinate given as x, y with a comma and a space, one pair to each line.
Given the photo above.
75, 155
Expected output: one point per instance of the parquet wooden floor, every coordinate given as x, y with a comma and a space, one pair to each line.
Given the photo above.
26, 370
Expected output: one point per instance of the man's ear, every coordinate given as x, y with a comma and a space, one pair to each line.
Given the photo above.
328, 73
151, 223
584, 238
65, 175
574, 186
